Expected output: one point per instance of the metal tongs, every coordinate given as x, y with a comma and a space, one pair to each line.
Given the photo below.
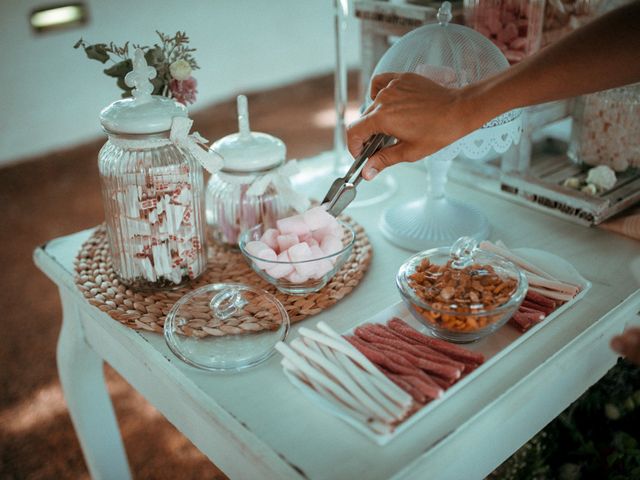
343, 189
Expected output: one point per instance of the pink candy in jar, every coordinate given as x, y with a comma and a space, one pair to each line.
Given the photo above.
606, 129
248, 190
514, 26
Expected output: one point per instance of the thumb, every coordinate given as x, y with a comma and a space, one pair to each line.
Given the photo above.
384, 158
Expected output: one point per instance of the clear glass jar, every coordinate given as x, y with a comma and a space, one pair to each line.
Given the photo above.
231, 210
606, 129
154, 209
514, 26
248, 157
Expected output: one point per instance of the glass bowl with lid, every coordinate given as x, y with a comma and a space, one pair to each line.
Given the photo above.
461, 293
225, 327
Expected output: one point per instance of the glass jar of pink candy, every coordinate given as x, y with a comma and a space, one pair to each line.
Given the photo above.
606, 129
514, 26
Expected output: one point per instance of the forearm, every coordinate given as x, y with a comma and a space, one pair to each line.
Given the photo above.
599, 56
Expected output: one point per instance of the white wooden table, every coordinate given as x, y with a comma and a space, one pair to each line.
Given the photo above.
255, 425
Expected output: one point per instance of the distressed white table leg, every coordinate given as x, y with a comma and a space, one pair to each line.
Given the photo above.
90, 407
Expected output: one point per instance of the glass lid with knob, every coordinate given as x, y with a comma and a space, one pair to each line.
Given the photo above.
225, 327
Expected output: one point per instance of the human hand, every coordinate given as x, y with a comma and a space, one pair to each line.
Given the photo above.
422, 115
628, 344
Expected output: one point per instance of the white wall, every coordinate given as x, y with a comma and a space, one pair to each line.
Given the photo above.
51, 94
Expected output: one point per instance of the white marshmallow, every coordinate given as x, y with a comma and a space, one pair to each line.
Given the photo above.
281, 270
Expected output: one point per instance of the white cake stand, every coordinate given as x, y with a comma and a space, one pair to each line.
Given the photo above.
436, 220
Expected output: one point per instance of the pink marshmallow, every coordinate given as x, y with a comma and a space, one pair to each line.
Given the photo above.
509, 33
519, 43
295, 277
294, 224
302, 253
262, 251
305, 238
286, 241
322, 267
331, 245
269, 237
514, 56
281, 270
317, 218
334, 229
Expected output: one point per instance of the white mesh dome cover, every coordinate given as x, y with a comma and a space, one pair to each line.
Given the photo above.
455, 56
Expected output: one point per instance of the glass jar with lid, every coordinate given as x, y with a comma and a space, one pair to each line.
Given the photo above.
514, 26
252, 187
152, 187
606, 128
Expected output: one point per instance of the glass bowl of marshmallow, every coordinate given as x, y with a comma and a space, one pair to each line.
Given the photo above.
302, 253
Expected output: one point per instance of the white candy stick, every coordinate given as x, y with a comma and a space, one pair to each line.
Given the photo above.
397, 410
361, 377
315, 375
538, 281
368, 405
374, 425
509, 255
335, 341
565, 297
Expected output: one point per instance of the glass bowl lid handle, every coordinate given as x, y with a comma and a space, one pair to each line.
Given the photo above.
227, 302
463, 251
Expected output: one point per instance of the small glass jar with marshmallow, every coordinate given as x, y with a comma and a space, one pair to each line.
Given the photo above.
253, 186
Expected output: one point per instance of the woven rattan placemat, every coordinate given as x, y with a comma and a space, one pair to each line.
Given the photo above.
147, 310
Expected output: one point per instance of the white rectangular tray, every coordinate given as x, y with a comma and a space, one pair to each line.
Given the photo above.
493, 347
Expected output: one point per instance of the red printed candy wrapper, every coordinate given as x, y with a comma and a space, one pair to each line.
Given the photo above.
161, 244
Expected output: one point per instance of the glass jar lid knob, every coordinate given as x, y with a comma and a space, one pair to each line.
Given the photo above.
140, 78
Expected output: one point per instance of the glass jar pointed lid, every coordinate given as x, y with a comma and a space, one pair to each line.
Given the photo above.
247, 151
142, 113
225, 327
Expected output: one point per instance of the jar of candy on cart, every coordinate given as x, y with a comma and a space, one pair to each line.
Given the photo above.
253, 186
152, 187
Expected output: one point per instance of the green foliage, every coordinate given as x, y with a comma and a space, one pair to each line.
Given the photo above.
596, 437
160, 56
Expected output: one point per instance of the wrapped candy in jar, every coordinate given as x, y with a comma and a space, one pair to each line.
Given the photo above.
606, 128
152, 187
514, 26
253, 185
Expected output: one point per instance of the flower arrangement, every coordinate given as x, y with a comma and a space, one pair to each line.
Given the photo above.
172, 58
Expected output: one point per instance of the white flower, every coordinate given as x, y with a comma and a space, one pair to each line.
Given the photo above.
180, 69
589, 189
602, 177
572, 182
